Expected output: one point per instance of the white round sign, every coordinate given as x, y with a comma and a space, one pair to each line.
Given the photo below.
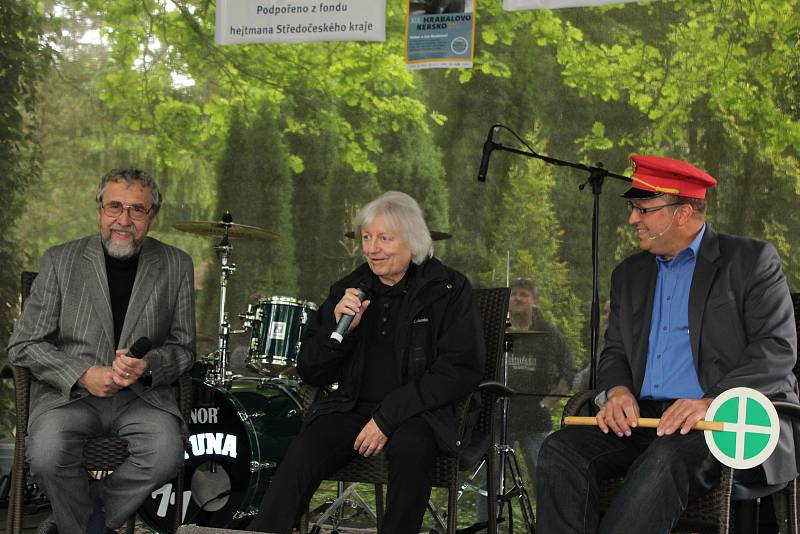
750, 428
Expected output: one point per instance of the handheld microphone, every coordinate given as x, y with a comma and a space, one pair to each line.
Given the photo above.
140, 347
337, 335
488, 146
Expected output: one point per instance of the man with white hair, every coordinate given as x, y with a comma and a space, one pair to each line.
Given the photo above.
413, 350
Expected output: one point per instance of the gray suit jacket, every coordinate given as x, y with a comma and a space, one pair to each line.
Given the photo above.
741, 327
67, 324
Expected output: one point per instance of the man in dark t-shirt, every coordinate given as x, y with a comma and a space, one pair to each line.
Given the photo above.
539, 364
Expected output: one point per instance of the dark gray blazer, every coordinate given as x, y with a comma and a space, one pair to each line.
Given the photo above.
67, 324
741, 326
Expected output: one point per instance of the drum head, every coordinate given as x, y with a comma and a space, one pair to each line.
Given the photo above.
236, 439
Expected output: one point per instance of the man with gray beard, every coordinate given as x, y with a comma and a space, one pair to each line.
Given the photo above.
91, 300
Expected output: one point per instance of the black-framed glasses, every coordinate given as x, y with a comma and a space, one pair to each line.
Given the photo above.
114, 209
651, 209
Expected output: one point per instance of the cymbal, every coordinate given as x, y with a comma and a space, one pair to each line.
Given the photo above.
436, 236
517, 332
217, 229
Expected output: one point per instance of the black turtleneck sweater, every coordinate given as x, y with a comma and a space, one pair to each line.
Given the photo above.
120, 274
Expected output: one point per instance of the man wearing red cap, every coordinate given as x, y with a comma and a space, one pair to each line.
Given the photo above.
693, 314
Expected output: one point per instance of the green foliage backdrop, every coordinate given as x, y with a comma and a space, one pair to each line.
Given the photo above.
294, 138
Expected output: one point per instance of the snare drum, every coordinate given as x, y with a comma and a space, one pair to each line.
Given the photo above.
236, 439
278, 324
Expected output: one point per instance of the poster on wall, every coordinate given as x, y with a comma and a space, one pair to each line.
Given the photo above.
297, 21
517, 5
440, 34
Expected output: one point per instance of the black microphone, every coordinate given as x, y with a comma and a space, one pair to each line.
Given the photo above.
488, 146
344, 321
140, 347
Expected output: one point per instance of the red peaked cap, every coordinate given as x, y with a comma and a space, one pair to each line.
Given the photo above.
656, 175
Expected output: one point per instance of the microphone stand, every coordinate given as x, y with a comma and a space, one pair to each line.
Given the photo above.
597, 175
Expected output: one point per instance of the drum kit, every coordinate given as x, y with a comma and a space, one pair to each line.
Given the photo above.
240, 426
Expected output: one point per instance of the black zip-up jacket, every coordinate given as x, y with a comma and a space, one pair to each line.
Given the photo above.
442, 354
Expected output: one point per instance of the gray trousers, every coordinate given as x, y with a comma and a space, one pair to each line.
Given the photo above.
55, 453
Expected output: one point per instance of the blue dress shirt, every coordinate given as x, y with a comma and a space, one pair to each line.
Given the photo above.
670, 371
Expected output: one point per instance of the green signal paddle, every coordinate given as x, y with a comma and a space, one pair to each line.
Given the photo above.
741, 427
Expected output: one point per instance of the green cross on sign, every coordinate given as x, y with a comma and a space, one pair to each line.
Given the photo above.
751, 428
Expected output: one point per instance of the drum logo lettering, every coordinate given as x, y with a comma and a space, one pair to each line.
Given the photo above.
277, 330
211, 443
204, 415
203, 443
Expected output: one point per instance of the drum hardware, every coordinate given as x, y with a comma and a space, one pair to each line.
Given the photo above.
508, 459
517, 332
347, 498
249, 514
507, 462
226, 230
258, 466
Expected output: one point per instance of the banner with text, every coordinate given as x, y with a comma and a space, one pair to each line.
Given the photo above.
440, 33
517, 5
297, 21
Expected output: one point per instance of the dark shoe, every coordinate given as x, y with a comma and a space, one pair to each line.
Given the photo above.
48, 526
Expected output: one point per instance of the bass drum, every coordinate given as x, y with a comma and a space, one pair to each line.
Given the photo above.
236, 439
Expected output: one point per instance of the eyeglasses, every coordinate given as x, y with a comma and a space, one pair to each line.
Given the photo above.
136, 212
651, 209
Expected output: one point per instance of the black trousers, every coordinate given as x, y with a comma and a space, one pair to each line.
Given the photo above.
325, 446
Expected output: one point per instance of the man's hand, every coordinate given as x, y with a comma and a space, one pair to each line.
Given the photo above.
370, 440
127, 370
98, 380
621, 412
683, 414
350, 305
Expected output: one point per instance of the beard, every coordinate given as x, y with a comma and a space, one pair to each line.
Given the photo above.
522, 318
121, 250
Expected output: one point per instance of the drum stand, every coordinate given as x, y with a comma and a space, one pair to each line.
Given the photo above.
506, 492
509, 459
347, 497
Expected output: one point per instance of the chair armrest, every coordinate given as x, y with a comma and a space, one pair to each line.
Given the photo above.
498, 389
580, 403
309, 394
184, 386
787, 408
22, 385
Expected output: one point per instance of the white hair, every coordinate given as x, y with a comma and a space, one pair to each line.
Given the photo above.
401, 213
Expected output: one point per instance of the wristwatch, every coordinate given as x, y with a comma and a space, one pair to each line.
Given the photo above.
601, 398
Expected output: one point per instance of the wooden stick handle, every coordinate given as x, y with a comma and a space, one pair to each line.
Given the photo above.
644, 422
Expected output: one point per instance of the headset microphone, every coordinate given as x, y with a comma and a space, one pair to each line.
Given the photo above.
654, 237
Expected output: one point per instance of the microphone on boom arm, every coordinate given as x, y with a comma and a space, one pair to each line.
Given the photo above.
488, 146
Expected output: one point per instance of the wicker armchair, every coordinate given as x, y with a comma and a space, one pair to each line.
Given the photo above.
100, 454
715, 512
493, 306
